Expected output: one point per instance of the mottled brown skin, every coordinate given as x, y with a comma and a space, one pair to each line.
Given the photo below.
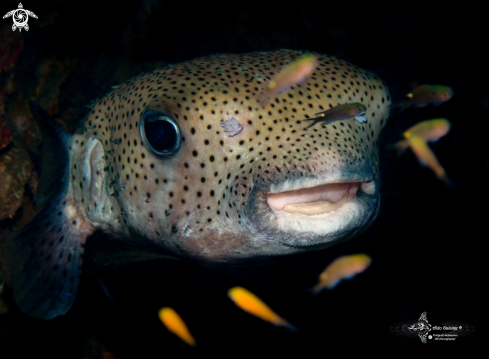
214, 186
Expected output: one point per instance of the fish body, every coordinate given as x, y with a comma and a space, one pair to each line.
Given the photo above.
250, 303
345, 267
293, 74
191, 166
429, 130
339, 113
175, 324
426, 95
426, 157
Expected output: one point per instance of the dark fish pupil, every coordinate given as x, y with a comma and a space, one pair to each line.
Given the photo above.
161, 135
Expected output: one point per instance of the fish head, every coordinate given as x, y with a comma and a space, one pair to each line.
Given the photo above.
357, 109
441, 93
198, 168
305, 66
439, 127
361, 262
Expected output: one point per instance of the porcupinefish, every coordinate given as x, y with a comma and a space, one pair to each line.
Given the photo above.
339, 113
425, 95
345, 267
152, 166
250, 303
429, 130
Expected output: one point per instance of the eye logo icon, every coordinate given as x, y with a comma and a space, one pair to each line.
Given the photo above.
20, 17
422, 327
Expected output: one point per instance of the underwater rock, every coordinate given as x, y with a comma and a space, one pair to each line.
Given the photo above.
11, 46
52, 74
15, 170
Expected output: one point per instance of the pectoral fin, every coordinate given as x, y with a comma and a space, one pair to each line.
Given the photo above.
45, 260
45, 255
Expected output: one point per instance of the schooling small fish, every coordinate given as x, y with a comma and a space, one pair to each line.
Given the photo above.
429, 130
345, 267
175, 324
294, 74
250, 303
354, 110
189, 189
426, 157
425, 95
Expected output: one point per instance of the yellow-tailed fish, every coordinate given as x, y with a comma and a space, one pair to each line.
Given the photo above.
354, 110
426, 157
293, 74
425, 95
250, 303
345, 267
184, 162
176, 325
429, 130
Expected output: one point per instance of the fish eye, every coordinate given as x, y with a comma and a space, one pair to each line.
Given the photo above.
160, 133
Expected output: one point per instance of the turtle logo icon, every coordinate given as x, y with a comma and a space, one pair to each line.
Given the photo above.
422, 327
20, 17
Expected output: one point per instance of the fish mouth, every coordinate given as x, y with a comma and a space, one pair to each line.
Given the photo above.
324, 212
314, 200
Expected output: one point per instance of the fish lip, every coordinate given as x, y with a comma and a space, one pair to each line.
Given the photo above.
340, 236
315, 228
323, 196
319, 180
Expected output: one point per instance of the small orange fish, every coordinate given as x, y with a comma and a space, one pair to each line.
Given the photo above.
426, 156
250, 303
345, 267
295, 73
429, 130
176, 325
341, 112
425, 95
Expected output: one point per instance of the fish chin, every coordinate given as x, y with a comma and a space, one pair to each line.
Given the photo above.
318, 213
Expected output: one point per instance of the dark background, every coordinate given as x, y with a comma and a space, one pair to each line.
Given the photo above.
423, 243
